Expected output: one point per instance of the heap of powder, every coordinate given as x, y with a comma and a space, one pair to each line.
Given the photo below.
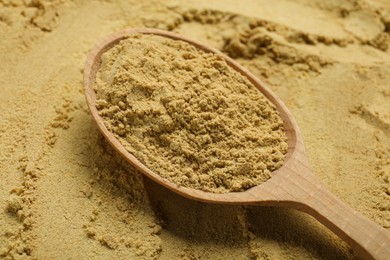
188, 116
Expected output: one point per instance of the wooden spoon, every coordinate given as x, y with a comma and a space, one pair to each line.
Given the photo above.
293, 185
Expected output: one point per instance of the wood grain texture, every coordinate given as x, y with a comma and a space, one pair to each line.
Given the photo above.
293, 185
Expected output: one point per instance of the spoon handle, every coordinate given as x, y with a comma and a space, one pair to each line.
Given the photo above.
370, 240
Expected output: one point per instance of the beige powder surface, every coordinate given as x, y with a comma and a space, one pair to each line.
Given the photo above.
65, 193
188, 116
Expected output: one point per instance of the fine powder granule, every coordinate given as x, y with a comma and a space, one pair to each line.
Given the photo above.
188, 116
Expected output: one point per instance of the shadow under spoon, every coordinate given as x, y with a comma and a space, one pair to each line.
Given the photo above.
293, 185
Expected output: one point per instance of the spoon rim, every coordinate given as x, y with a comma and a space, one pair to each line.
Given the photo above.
291, 129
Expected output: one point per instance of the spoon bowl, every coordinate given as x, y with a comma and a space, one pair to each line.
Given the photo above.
292, 185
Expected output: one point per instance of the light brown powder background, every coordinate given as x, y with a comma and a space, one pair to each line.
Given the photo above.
64, 193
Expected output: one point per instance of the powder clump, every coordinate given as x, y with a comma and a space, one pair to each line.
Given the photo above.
188, 116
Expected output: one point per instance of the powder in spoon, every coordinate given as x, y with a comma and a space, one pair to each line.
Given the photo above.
187, 115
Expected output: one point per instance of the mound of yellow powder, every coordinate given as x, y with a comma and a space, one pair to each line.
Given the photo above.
188, 116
